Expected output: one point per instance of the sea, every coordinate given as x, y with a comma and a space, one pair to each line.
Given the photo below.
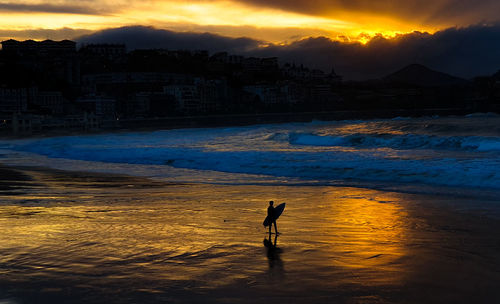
429, 154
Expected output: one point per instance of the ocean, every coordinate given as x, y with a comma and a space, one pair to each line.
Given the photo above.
405, 154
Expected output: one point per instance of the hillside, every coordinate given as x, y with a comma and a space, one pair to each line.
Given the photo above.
419, 75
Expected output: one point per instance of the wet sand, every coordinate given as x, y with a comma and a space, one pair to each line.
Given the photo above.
76, 237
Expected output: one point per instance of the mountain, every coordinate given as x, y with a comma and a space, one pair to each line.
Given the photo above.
496, 76
419, 75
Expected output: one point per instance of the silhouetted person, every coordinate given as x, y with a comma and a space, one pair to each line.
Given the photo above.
271, 213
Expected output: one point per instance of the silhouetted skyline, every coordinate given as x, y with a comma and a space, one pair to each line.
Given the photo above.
463, 52
50, 79
362, 39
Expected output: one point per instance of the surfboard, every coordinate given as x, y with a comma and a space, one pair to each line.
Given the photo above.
278, 211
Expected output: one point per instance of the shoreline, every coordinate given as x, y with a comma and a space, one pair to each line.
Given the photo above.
238, 120
121, 171
15, 176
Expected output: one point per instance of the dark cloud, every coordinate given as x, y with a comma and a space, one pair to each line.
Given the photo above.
464, 52
140, 37
52, 8
461, 12
282, 34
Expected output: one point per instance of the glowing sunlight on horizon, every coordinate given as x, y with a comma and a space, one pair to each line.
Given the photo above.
226, 18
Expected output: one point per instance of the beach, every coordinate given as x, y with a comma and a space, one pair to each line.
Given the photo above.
80, 237
402, 210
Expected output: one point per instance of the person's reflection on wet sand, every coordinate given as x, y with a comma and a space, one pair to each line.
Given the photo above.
273, 254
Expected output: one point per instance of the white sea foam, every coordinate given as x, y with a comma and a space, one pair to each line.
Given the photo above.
303, 152
401, 142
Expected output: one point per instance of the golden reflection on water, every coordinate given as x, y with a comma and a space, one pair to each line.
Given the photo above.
369, 233
207, 234
374, 127
358, 236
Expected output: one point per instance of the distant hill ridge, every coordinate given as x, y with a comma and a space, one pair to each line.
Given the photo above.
496, 76
419, 75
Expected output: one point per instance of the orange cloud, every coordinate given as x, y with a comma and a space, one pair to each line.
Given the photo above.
275, 21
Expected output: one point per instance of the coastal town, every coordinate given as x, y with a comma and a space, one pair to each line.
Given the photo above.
60, 85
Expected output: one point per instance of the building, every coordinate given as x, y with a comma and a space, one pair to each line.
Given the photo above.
224, 57
187, 97
52, 61
50, 100
43, 48
101, 106
322, 94
24, 123
268, 94
132, 91
92, 83
292, 92
139, 104
203, 96
213, 94
14, 100
109, 51
333, 78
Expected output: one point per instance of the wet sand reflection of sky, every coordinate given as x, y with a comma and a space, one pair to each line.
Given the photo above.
204, 238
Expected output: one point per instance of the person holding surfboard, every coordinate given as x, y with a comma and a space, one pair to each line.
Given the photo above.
272, 215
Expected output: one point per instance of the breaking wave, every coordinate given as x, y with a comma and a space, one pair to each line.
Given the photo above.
379, 151
399, 142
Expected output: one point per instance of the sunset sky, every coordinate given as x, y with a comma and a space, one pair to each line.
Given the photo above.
277, 21
360, 38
